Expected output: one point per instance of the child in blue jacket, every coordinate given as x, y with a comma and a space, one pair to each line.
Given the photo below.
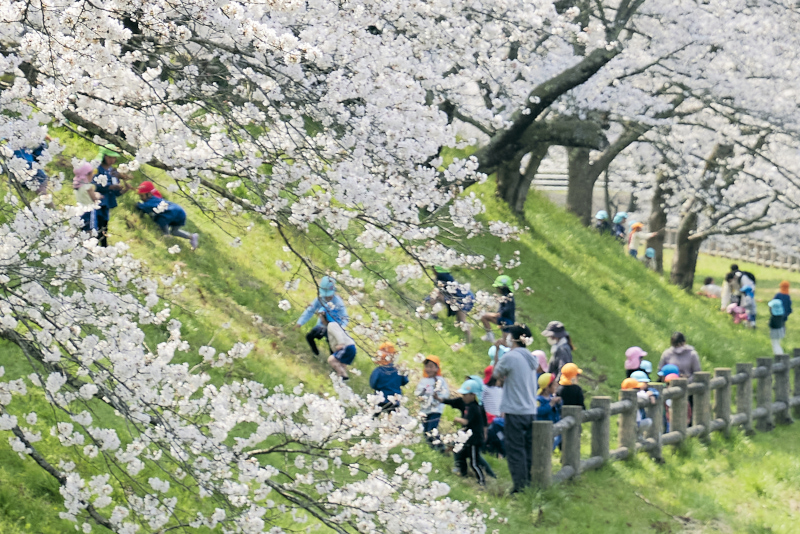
167, 215
385, 378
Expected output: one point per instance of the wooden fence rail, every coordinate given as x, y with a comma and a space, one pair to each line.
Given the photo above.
776, 402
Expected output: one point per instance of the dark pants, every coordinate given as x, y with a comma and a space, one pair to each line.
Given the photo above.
318, 332
519, 448
429, 424
103, 216
473, 454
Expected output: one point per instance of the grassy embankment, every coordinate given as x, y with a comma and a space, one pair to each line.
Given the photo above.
608, 302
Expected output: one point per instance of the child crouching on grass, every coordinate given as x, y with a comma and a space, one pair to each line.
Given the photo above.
474, 419
342, 346
167, 215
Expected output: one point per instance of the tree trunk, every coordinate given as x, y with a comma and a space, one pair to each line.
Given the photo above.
513, 186
684, 262
581, 184
658, 220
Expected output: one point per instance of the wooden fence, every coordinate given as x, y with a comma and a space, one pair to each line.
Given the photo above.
750, 250
775, 402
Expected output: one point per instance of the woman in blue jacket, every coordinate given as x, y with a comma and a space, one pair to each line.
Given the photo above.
167, 215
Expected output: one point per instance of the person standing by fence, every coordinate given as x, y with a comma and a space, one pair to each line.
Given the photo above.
516, 372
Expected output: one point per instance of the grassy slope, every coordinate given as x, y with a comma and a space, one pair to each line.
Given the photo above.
608, 303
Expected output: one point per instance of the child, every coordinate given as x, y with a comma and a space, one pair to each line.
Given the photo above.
710, 289
343, 348
602, 225
330, 302
107, 179
636, 237
542, 358
474, 419
451, 294
647, 367
496, 439
783, 296
385, 379
619, 225
668, 403
776, 325
749, 304
86, 194
492, 395
506, 313
633, 360
649, 259
643, 422
570, 392
737, 312
430, 390
549, 408
167, 215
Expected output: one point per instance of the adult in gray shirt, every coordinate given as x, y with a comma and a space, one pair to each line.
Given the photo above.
517, 373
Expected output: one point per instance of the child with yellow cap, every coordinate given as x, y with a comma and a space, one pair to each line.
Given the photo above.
431, 390
570, 392
549, 408
639, 381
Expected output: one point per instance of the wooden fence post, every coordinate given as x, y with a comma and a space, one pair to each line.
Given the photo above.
601, 429
680, 408
796, 409
627, 422
656, 413
702, 403
542, 468
782, 389
764, 395
744, 395
571, 439
722, 401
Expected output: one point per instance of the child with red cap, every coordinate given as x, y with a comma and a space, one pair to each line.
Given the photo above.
167, 215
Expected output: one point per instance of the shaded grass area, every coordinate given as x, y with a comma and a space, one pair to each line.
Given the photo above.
607, 300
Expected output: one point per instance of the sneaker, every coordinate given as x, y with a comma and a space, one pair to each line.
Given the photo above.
489, 336
345, 378
194, 241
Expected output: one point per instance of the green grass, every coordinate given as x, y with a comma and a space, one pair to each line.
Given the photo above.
607, 301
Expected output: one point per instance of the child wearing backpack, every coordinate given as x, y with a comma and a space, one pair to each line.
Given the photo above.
777, 321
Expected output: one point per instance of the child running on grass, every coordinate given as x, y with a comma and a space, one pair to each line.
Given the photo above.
343, 348
167, 215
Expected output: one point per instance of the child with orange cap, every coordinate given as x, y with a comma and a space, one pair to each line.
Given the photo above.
385, 379
642, 421
570, 392
431, 390
636, 238
783, 296
167, 215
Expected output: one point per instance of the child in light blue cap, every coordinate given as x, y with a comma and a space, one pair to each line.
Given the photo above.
473, 418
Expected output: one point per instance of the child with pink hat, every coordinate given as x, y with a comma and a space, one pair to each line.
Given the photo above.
633, 360
86, 194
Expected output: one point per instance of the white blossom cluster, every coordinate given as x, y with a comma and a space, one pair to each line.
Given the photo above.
185, 448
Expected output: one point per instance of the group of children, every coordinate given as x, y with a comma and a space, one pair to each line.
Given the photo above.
97, 188
633, 240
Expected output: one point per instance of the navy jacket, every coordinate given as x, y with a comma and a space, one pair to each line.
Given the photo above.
387, 380
173, 215
787, 304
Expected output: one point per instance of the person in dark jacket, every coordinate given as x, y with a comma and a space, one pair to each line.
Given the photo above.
602, 225
474, 419
385, 378
111, 184
506, 313
167, 215
453, 295
783, 296
549, 403
561, 346
570, 392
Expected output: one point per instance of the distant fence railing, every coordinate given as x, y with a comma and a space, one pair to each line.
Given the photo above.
750, 250
771, 377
